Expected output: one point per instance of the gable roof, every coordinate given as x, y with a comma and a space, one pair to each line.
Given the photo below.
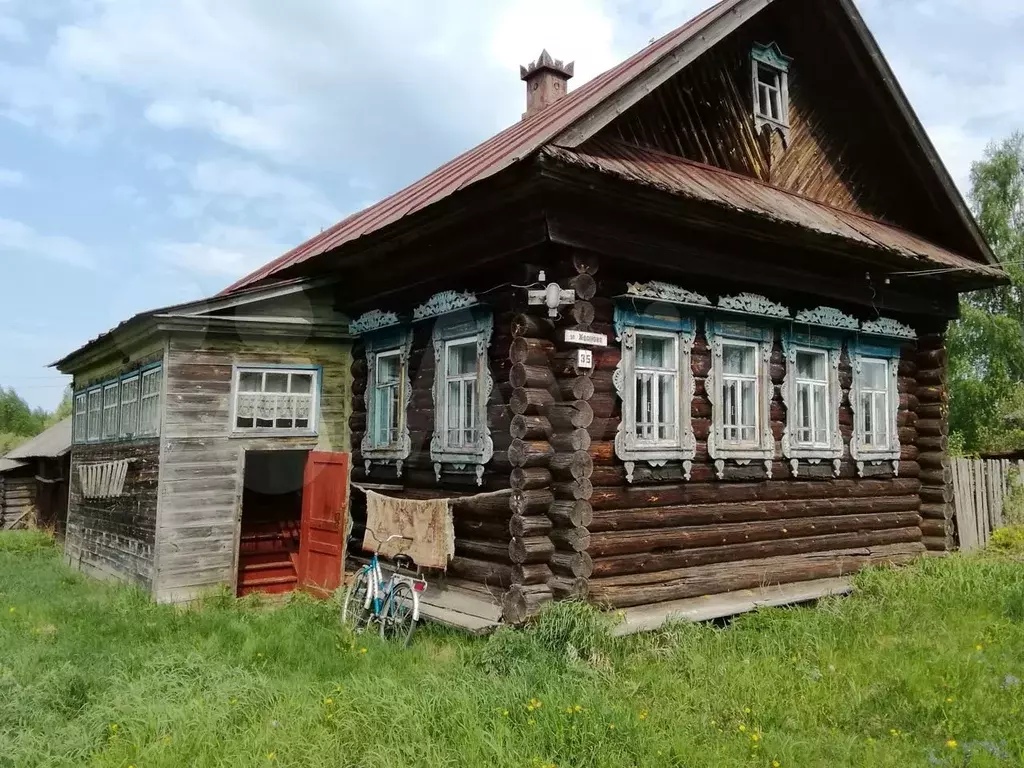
49, 444
581, 113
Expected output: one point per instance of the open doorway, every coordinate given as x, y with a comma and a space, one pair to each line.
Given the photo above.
268, 551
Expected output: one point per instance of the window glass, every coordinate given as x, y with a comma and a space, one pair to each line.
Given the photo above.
130, 406
812, 420
874, 404
461, 394
386, 405
95, 430
149, 420
274, 399
739, 393
81, 419
656, 391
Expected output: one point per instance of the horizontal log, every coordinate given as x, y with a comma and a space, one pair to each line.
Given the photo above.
941, 494
481, 571
937, 528
483, 505
931, 358
534, 502
531, 376
574, 539
602, 452
934, 377
477, 529
530, 351
933, 477
575, 466
662, 564
578, 564
530, 549
685, 494
937, 511
577, 490
604, 405
568, 442
576, 388
531, 401
535, 525
932, 460
529, 478
530, 427
931, 411
569, 416
603, 429
531, 573
582, 313
584, 285
686, 537
535, 326
748, 574
744, 512
571, 514
520, 603
938, 544
530, 453
495, 551
939, 444
931, 394
932, 428
566, 588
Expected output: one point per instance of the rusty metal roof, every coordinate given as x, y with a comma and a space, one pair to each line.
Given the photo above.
513, 144
726, 189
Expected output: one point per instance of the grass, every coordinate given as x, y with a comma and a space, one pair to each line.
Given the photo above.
923, 666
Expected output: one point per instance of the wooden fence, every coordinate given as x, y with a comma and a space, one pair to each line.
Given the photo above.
980, 487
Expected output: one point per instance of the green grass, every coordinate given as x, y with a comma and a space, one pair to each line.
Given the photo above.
96, 675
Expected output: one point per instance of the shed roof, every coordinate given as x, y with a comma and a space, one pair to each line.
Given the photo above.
7, 465
50, 444
574, 118
726, 189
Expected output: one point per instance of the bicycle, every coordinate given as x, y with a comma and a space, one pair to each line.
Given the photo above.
393, 603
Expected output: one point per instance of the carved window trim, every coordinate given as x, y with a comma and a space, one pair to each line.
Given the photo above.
476, 323
830, 344
720, 331
391, 341
771, 59
628, 446
889, 353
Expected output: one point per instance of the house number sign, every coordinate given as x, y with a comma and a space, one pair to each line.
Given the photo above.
586, 338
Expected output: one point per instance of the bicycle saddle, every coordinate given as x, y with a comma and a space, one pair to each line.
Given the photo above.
403, 561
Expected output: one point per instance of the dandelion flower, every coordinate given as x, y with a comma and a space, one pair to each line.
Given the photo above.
951, 744
643, 714
531, 721
743, 728
259, 655
776, 764
611, 726
11, 610
949, 700
329, 701
271, 756
505, 713
362, 650
978, 647
746, 710
577, 708
755, 737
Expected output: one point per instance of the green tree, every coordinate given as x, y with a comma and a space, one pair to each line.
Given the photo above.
986, 346
63, 410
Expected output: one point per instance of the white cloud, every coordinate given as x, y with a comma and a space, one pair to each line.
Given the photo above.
20, 240
11, 178
12, 30
222, 251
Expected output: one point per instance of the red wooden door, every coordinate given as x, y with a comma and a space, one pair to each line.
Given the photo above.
324, 508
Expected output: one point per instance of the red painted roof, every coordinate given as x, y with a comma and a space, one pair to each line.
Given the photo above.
511, 145
706, 183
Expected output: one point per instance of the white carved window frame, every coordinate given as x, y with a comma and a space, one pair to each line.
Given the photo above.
313, 372
832, 346
770, 58
465, 323
628, 446
762, 335
889, 353
382, 343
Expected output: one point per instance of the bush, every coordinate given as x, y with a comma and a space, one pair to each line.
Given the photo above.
1009, 540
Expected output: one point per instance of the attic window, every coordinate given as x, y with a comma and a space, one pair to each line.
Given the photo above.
770, 76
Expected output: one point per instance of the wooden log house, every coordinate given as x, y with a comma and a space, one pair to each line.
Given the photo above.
678, 332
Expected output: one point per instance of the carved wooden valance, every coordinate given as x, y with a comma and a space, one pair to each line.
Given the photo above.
443, 303
373, 320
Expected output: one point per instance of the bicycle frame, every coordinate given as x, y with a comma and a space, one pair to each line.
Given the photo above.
379, 588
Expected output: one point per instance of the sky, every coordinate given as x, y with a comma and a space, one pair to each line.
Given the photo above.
153, 151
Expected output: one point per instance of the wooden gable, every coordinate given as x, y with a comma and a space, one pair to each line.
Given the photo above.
840, 147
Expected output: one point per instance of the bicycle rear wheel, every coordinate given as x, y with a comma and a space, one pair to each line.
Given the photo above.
398, 616
353, 610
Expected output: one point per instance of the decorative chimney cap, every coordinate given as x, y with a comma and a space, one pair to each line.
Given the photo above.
545, 61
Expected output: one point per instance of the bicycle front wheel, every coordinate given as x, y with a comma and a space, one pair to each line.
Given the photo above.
398, 616
354, 610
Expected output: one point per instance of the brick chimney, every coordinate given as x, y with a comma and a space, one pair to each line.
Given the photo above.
547, 80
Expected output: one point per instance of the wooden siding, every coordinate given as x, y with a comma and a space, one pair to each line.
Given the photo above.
114, 538
150, 351
839, 151
202, 464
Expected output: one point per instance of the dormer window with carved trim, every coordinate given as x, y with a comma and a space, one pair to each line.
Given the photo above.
770, 77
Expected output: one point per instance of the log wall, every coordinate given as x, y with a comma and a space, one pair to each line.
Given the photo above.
932, 410
18, 498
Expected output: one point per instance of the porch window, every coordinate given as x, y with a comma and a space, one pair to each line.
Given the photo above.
81, 418
110, 410
875, 420
460, 399
149, 413
387, 412
95, 431
130, 406
273, 400
741, 416
813, 421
